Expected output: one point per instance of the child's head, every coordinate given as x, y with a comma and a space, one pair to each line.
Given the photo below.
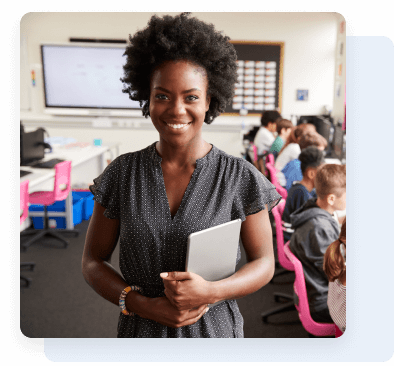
269, 119
303, 129
312, 139
330, 184
284, 128
334, 264
311, 158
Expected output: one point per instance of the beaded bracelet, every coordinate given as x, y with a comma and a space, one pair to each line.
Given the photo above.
122, 299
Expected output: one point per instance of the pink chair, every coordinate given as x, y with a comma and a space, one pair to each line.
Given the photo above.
270, 159
287, 266
62, 188
24, 211
274, 180
302, 305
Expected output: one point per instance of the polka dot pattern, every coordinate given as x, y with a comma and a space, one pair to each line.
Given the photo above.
222, 188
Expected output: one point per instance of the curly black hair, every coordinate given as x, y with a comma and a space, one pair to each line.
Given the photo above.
310, 157
181, 37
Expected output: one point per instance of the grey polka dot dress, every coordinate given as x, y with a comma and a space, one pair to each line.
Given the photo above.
222, 188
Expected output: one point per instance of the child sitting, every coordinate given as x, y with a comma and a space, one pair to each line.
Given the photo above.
291, 149
315, 228
300, 192
292, 171
284, 128
265, 135
335, 268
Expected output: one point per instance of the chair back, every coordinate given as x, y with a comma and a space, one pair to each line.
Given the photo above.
24, 200
281, 206
62, 185
255, 157
302, 305
274, 180
283, 260
270, 159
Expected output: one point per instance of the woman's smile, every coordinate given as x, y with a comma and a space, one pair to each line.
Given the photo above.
179, 101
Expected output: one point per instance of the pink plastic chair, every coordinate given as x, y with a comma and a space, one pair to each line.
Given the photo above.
287, 266
61, 189
274, 180
24, 200
24, 207
270, 159
317, 329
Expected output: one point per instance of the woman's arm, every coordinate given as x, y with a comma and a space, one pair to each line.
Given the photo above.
101, 240
192, 290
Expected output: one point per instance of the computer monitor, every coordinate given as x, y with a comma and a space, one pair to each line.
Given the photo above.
32, 147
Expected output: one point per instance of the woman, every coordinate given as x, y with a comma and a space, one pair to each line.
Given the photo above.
183, 72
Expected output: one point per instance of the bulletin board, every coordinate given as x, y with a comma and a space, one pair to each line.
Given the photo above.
260, 73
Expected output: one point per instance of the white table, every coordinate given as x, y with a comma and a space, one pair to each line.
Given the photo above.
86, 162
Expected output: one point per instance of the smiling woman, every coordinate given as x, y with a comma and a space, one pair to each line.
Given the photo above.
182, 71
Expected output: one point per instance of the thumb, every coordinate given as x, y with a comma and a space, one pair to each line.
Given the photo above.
176, 276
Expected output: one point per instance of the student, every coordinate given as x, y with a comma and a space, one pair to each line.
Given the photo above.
284, 127
291, 150
335, 268
310, 159
315, 228
265, 135
183, 73
292, 170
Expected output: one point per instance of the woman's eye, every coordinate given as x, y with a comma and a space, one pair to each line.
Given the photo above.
161, 96
192, 97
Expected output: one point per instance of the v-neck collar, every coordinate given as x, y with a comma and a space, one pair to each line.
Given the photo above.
200, 163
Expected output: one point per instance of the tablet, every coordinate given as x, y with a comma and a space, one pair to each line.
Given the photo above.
212, 253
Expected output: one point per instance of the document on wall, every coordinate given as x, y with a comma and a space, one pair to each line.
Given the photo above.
255, 80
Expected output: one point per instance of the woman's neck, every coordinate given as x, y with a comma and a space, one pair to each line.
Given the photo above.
183, 155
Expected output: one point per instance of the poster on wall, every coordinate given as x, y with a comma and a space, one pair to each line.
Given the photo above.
259, 69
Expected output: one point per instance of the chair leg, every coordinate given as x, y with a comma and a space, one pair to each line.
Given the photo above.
25, 282
277, 310
57, 236
39, 234
69, 231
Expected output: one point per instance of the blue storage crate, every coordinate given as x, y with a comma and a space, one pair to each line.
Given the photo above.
59, 206
88, 203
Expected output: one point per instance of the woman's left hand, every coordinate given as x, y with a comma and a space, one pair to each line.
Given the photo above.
186, 290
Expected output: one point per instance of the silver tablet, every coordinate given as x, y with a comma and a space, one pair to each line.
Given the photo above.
212, 253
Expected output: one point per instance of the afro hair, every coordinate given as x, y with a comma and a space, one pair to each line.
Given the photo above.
181, 37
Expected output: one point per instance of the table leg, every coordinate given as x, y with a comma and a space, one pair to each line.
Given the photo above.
69, 211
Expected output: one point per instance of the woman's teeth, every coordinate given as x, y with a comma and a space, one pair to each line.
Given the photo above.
178, 126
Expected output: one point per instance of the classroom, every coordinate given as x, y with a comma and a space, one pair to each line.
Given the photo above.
307, 80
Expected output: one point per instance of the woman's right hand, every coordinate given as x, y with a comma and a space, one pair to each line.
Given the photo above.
162, 311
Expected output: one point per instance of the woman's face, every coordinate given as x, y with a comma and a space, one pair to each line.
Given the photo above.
179, 101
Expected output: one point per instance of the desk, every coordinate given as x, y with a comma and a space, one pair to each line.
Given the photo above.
86, 162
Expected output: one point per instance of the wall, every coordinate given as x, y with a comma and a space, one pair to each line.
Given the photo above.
309, 60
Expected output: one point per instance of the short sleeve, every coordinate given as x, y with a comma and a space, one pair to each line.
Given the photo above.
106, 189
254, 192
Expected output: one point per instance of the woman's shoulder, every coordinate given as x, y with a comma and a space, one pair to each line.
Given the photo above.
234, 161
134, 156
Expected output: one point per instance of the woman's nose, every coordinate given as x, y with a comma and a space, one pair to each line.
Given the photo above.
177, 107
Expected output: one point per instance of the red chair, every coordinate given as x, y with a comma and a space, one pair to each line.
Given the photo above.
302, 305
24, 211
62, 188
274, 180
287, 266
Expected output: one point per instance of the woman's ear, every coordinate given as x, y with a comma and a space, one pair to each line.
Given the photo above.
208, 101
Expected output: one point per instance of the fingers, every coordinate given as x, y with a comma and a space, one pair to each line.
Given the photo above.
176, 276
193, 316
